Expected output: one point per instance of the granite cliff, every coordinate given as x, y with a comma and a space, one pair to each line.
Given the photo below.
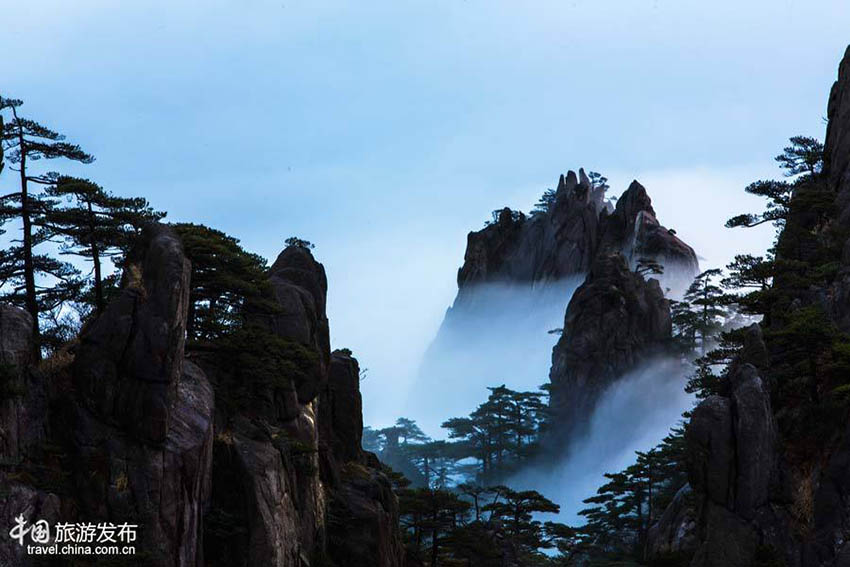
126, 425
563, 241
615, 320
518, 276
768, 480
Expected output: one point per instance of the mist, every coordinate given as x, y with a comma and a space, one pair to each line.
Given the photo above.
634, 414
494, 334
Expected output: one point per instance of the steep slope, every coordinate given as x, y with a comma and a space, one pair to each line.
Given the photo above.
769, 456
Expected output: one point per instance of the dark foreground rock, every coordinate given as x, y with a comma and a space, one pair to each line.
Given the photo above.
757, 498
126, 427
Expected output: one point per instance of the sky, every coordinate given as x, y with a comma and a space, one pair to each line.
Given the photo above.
384, 131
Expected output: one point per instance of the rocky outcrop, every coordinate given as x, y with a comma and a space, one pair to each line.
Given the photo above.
216, 464
164, 486
363, 518
674, 535
564, 240
737, 513
363, 512
341, 409
24, 428
837, 154
291, 483
615, 320
143, 428
837, 169
22, 396
540, 248
300, 290
760, 499
130, 360
633, 228
516, 279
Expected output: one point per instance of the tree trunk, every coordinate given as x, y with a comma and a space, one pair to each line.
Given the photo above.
31, 299
95, 256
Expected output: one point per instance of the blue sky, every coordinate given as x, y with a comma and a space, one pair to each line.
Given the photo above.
385, 131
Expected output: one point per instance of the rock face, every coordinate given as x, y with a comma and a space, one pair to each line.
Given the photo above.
143, 430
21, 396
23, 429
153, 436
757, 502
634, 229
738, 511
282, 494
540, 248
838, 131
301, 288
564, 241
614, 321
837, 168
130, 360
515, 282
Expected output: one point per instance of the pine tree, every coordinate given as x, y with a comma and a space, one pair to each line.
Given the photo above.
25, 141
544, 204
96, 225
517, 510
647, 266
227, 282
625, 507
804, 155
598, 181
697, 316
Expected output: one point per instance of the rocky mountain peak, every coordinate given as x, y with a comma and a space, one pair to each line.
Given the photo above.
563, 239
615, 320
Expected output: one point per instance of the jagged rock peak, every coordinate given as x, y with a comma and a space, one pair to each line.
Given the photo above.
578, 224
634, 200
615, 320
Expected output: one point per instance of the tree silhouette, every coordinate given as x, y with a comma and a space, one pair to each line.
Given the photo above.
96, 224
25, 141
